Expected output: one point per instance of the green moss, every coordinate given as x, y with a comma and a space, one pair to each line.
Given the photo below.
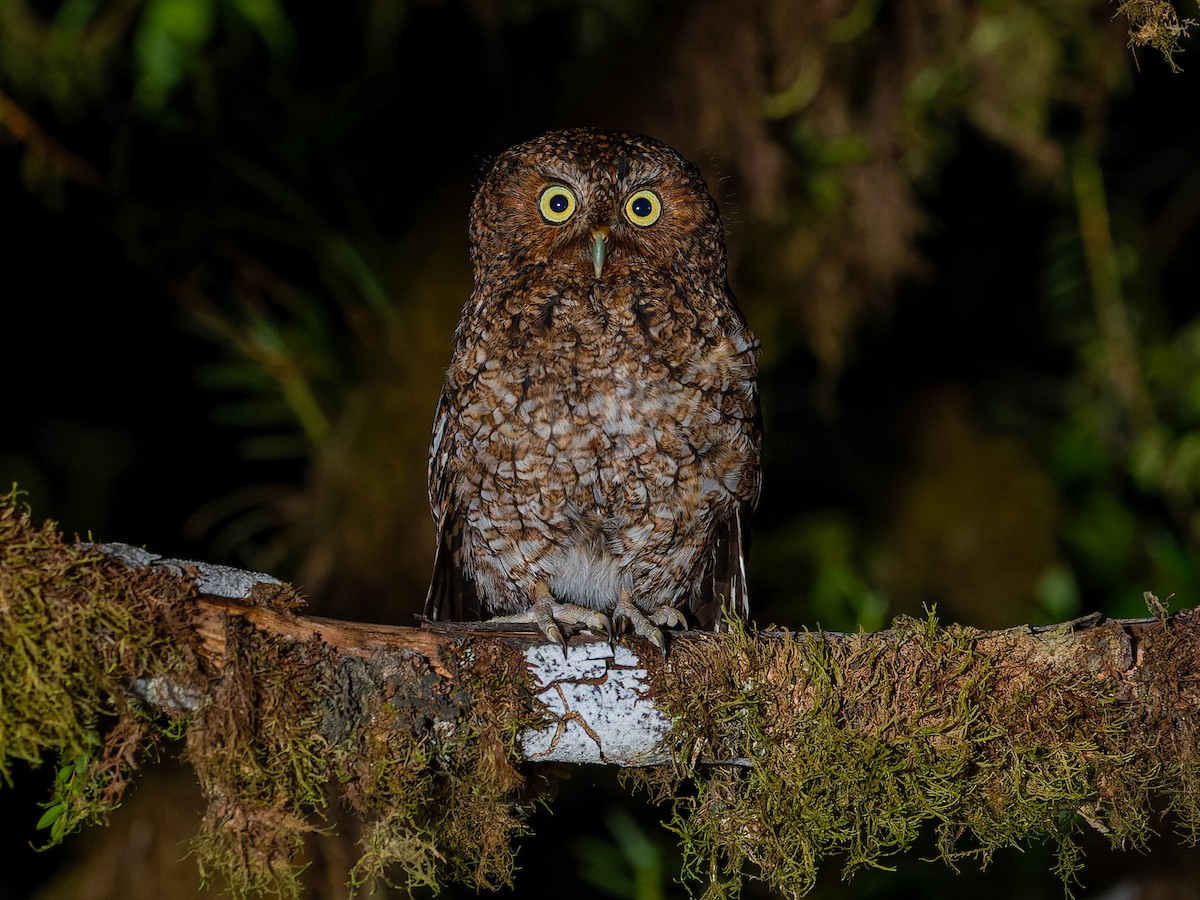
855, 746
260, 759
73, 627
411, 752
284, 723
441, 802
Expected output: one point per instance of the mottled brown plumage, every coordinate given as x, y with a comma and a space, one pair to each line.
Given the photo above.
596, 446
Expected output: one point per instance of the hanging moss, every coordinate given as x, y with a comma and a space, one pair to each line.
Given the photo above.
73, 626
260, 761
429, 773
1155, 23
854, 746
272, 724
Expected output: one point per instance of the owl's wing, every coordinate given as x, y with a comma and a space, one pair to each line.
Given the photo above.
452, 595
725, 593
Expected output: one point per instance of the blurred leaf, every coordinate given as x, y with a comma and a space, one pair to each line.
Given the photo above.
630, 866
1058, 595
271, 22
168, 40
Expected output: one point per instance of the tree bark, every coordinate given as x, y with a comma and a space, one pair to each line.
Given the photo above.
603, 704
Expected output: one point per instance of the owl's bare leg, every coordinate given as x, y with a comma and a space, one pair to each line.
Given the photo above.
626, 613
547, 613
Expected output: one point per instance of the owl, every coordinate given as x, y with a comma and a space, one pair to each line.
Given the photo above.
595, 460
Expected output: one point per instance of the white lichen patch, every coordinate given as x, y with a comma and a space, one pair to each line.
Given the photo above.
597, 698
209, 578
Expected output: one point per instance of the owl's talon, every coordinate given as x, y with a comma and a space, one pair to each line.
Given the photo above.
625, 613
554, 633
669, 617
657, 637
543, 614
605, 624
547, 614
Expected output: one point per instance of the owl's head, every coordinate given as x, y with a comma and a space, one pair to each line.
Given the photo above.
596, 204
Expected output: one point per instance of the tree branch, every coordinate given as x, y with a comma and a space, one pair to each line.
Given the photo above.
797, 746
598, 700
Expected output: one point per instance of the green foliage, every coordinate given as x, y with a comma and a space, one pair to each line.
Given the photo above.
1125, 449
75, 800
630, 866
824, 551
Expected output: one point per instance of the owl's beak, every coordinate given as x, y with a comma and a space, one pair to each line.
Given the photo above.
599, 248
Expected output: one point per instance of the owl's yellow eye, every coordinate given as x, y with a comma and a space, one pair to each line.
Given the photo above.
556, 204
643, 208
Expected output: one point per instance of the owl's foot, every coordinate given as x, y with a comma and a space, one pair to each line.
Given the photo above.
547, 613
626, 614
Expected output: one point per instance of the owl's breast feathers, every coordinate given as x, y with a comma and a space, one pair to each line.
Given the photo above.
604, 422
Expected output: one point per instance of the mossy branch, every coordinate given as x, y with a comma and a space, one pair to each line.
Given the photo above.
774, 750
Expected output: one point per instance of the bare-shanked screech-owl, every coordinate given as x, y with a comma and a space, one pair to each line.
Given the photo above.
595, 455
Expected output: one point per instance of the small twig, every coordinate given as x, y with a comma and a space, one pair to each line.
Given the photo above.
23, 127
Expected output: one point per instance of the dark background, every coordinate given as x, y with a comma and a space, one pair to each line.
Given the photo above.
234, 250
